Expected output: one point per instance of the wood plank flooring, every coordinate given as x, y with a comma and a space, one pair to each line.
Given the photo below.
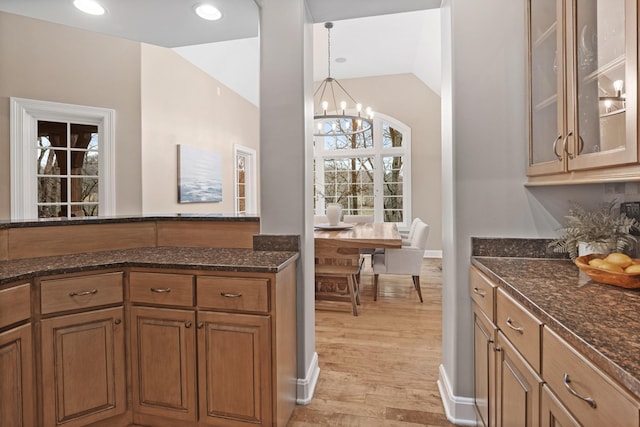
380, 368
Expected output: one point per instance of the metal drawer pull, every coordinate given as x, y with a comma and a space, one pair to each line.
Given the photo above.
517, 329
227, 295
161, 290
589, 400
479, 292
555, 147
83, 293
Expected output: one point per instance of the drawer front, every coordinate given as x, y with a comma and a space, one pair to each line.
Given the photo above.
483, 292
15, 304
520, 327
603, 402
238, 294
80, 292
162, 288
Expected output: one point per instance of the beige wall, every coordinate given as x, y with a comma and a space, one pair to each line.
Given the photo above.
183, 105
160, 99
44, 61
407, 99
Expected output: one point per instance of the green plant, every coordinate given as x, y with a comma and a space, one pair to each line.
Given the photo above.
605, 230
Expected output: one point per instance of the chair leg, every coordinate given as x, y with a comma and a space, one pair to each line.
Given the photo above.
416, 284
350, 284
356, 285
375, 287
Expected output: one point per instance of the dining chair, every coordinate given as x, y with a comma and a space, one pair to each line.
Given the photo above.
336, 272
405, 260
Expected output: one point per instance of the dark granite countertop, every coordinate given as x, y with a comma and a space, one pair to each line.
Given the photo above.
601, 321
127, 218
210, 259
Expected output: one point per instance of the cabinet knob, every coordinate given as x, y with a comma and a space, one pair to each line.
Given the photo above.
200, 325
188, 324
117, 321
497, 348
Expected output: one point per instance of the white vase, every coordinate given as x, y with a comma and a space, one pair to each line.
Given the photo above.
334, 212
587, 249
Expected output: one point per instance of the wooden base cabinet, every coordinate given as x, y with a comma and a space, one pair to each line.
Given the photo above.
517, 388
17, 407
234, 369
83, 367
163, 354
484, 336
553, 413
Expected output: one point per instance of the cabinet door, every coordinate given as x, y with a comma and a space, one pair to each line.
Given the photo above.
83, 369
16, 370
234, 366
553, 413
602, 50
163, 353
517, 388
484, 336
547, 125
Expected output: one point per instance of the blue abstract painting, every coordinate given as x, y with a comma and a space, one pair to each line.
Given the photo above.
199, 175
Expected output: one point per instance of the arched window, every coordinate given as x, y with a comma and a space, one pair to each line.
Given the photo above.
368, 174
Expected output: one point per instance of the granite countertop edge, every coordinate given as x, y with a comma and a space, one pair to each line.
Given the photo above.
585, 344
181, 258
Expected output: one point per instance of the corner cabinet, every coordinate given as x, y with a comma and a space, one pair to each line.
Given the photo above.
582, 86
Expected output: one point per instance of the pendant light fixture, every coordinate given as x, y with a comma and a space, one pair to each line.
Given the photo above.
331, 118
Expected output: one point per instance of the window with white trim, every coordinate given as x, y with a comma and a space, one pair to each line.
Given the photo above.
367, 174
62, 160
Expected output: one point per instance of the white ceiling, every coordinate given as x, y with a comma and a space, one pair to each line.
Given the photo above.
388, 37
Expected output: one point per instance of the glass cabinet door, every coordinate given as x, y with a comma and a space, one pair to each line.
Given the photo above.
603, 48
546, 80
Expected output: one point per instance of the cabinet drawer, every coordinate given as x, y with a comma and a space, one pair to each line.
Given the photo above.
162, 288
483, 292
227, 293
566, 371
520, 327
80, 292
15, 304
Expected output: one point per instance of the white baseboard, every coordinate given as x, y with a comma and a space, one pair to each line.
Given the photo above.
459, 410
307, 385
432, 254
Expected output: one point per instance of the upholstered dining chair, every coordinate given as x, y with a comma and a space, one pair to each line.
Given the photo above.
405, 260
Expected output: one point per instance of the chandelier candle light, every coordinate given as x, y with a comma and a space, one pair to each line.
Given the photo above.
336, 121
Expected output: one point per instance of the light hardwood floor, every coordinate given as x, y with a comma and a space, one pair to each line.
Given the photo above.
380, 368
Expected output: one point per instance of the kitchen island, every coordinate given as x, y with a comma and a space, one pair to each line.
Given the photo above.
159, 321
552, 318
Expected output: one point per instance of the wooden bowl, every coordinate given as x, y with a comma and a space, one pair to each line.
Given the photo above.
623, 280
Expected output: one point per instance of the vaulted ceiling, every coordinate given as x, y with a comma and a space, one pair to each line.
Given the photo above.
372, 37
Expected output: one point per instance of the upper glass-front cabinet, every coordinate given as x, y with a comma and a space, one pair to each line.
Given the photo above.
582, 84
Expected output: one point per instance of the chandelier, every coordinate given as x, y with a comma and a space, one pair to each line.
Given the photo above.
331, 118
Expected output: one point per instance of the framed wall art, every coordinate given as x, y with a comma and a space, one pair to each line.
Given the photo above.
199, 175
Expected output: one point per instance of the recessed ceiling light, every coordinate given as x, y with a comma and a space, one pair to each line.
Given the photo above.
89, 6
207, 11
341, 60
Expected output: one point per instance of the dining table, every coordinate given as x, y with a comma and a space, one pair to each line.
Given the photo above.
340, 246
347, 239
